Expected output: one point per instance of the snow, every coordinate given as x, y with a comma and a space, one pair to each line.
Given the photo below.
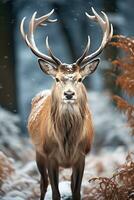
19, 177
64, 188
110, 125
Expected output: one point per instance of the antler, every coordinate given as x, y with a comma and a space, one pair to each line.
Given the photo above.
29, 38
107, 35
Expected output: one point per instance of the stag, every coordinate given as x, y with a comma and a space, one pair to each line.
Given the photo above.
60, 123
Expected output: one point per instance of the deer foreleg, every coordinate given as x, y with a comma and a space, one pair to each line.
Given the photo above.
53, 172
76, 178
41, 164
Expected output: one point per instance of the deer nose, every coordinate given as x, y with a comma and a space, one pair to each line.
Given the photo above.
69, 94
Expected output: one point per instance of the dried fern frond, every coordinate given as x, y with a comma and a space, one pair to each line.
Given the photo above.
125, 178
103, 188
6, 168
125, 78
119, 187
125, 43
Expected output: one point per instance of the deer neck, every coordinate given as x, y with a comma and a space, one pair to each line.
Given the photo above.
68, 118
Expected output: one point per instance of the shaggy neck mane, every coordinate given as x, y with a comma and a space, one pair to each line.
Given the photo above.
68, 121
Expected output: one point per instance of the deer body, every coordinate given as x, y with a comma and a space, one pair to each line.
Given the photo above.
60, 123
61, 131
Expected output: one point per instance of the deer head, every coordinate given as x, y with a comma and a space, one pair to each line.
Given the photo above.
69, 87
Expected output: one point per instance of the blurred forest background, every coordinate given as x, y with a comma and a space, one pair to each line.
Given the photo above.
21, 79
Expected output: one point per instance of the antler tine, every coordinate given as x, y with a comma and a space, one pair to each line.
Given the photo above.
22, 28
45, 18
84, 53
107, 34
29, 38
107, 31
50, 52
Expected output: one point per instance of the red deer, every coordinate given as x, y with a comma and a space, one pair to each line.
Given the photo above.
60, 123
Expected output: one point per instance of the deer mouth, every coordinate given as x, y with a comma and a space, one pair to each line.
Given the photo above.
69, 101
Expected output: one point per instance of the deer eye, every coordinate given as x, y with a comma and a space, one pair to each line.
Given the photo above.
80, 79
57, 80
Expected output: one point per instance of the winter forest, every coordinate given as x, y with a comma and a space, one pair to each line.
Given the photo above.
109, 166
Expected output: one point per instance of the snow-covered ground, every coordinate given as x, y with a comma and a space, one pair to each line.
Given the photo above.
19, 178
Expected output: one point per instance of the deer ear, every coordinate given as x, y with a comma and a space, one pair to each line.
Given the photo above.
47, 68
89, 68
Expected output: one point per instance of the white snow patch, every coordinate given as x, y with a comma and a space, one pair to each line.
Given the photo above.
65, 191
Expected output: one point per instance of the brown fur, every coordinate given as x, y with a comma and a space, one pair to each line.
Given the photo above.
68, 128
60, 123
62, 133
